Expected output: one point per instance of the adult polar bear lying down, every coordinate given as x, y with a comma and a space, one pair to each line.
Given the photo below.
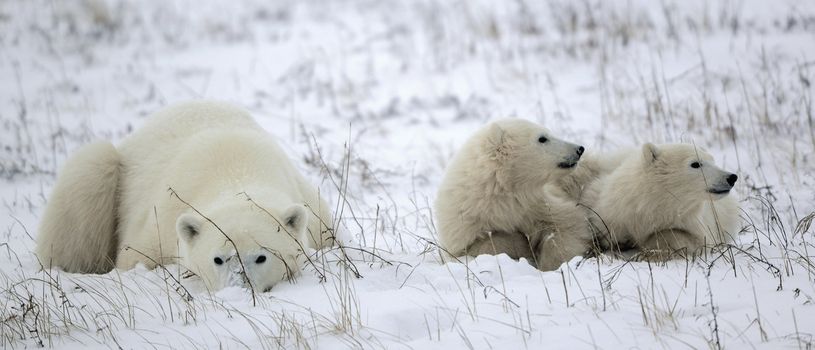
248, 211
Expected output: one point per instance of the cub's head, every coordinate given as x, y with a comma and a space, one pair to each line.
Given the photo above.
687, 170
263, 245
528, 152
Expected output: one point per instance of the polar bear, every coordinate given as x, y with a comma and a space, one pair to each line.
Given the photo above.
664, 199
200, 184
492, 197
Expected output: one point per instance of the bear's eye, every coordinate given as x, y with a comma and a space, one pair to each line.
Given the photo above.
261, 259
542, 139
218, 261
695, 165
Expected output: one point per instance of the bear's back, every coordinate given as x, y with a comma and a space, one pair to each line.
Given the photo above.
147, 154
148, 151
233, 161
165, 130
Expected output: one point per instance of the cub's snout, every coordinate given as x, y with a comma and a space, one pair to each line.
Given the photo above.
724, 185
571, 160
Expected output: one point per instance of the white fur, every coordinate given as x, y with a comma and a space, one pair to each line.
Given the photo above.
214, 157
592, 166
658, 202
77, 231
494, 188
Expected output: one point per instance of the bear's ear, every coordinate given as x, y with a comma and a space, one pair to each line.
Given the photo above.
649, 153
295, 218
188, 227
496, 135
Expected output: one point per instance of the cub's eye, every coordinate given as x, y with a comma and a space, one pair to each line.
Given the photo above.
261, 259
218, 261
695, 165
542, 139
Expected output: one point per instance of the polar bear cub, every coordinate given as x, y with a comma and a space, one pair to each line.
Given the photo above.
492, 197
199, 184
663, 199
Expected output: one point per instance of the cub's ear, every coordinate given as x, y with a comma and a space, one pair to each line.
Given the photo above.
295, 218
188, 227
496, 135
649, 153
496, 147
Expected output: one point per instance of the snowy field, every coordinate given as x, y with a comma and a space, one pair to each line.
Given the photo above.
372, 98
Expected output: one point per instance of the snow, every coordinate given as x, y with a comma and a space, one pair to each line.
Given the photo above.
387, 91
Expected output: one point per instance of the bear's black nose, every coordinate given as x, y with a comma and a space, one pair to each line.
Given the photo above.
732, 179
580, 150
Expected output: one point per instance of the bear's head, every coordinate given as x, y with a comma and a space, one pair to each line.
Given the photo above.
529, 153
687, 171
262, 244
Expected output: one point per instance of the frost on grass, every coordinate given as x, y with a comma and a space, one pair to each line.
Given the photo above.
372, 99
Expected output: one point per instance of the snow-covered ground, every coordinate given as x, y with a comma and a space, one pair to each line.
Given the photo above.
372, 98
